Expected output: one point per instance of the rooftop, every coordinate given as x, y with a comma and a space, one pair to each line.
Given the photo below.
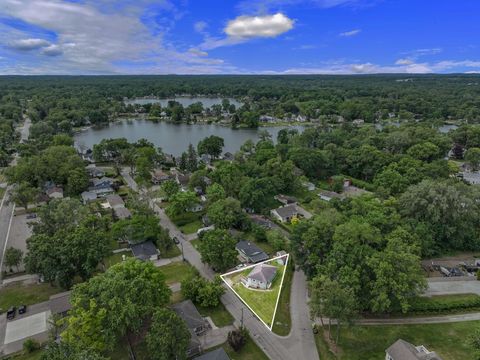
403, 350
252, 251
189, 313
144, 250
263, 273
287, 210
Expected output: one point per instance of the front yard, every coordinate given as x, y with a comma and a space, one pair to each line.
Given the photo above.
262, 302
370, 342
176, 272
17, 294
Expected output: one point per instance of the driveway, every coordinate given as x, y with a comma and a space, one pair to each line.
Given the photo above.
453, 287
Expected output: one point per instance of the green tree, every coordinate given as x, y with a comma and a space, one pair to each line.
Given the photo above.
13, 257
227, 213
211, 145
168, 337
77, 181
472, 156
23, 194
181, 202
123, 296
202, 292
170, 187
218, 249
215, 192
66, 351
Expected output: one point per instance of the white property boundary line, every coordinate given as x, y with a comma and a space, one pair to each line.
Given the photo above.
279, 292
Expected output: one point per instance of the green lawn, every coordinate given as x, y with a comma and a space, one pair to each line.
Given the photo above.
176, 272
220, 316
370, 342
283, 322
25, 356
2, 191
249, 352
195, 243
17, 294
191, 227
261, 301
170, 253
116, 258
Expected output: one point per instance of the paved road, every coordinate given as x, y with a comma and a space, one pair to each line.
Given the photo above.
299, 344
448, 287
7, 208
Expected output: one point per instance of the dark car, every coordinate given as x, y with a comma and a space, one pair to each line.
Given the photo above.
11, 313
175, 240
22, 309
31, 216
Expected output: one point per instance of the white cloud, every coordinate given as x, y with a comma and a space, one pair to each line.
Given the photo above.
259, 26
200, 26
197, 52
28, 44
256, 6
405, 61
350, 33
52, 50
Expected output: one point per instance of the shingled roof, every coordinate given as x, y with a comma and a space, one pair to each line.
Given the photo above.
263, 273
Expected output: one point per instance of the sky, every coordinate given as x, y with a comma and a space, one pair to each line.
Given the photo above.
239, 36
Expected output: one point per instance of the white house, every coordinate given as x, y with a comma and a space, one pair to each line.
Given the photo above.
261, 277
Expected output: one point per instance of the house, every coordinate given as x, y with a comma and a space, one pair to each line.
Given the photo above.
102, 183
189, 313
102, 192
206, 159
159, 176
228, 156
283, 259
115, 201
182, 180
403, 350
329, 195
358, 122
55, 192
285, 200
285, 213
261, 220
206, 221
261, 277
198, 190
60, 304
309, 186
122, 213
250, 252
145, 251
88, 196
93, 171
218, 354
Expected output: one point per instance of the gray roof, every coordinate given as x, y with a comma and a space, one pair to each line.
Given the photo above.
252, 251
263, 273
88, 195
287, 211
144, 250
60, 303
122, 213
189, 313
403, 350
218, 354
115, 200
102, 181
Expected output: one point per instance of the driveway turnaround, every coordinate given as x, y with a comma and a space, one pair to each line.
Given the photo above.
26, 327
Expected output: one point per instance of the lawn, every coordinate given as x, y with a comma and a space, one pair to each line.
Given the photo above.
220, 316
191, 227
283, 322
370, 342
176, 271
262, 302
195, 243
17, 294
2, 192
170, 253
249, 352
116, 258
27, 356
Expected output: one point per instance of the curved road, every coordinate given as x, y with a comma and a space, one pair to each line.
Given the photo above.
299, 344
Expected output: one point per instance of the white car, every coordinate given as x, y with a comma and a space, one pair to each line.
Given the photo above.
240, 266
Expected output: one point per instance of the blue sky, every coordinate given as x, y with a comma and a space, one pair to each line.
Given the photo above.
239, 36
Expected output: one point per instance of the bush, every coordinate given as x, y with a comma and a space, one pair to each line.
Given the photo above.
30, 345
237, 338
444, 304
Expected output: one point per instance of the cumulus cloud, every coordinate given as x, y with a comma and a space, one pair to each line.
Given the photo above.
28, 44
52, 50
350, 33
405, 61
259, 26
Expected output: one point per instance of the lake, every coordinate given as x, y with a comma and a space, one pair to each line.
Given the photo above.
184, 100
173, 138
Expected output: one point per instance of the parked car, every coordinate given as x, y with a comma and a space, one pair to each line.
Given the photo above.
11, 313
175, 240
31, 216
240, 266
22, 309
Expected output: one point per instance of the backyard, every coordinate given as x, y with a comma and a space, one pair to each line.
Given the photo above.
262, 302
17, 294
370, 342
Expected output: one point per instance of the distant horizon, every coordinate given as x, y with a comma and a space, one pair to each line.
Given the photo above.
240, 37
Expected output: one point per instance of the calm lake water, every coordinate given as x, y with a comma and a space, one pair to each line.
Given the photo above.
184, 100
173, 138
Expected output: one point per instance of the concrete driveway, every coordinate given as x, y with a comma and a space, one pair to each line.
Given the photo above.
453, 287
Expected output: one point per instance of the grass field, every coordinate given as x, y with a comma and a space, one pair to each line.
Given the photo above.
116, 258
18, 294
261, 301
192, 227
370, 342
172, 252
220, 316
176, 272
282, 322
249, 352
